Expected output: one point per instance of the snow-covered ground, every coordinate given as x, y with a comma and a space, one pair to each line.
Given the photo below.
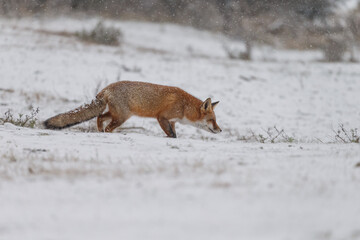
138, 184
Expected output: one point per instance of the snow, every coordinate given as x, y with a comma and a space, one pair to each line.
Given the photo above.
346, 6
138, 184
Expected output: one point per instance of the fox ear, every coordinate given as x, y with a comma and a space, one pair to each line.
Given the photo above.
206, 105
214, 104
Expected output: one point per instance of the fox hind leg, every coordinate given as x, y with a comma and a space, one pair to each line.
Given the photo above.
101, 119
115, 122
118, 114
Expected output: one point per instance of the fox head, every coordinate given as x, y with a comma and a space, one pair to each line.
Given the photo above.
207, 117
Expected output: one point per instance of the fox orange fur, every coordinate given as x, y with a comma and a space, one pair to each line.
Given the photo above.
126, 98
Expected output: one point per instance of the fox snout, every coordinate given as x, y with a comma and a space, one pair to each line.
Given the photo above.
216, 128
213, 127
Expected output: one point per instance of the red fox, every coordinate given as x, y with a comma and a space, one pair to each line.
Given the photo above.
126, 98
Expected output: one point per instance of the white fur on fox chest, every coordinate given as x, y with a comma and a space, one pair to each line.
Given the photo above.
202, 124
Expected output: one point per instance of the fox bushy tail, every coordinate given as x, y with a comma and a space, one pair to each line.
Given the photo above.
76, 116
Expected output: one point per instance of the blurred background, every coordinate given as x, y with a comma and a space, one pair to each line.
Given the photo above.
332, 26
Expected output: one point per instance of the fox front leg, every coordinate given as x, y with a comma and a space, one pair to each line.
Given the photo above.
169, 128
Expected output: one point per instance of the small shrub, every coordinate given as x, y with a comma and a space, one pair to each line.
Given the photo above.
22, 120
234, 54
101, 35
334, 49
270, 135
347, 136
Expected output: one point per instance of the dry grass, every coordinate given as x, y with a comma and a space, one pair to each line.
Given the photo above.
101, 34
21, 120
269, 135
344, 135
276, 135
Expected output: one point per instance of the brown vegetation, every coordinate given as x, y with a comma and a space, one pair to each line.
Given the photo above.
298, 24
